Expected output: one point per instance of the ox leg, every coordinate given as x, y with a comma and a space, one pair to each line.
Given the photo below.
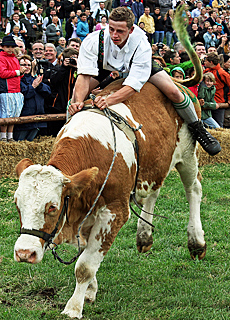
101, 238
189, 176
90, 295
144, 231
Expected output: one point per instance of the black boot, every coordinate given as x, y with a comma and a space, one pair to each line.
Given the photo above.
206, 140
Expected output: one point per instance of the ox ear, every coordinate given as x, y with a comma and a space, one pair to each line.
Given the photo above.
81, 180
22, 165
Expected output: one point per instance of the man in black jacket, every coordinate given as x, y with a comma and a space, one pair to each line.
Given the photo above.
63, 81
31, 27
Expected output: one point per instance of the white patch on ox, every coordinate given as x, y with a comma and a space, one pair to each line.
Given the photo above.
38, 185
86, 123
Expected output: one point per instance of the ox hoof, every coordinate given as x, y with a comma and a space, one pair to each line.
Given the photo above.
90, 297
72, 313
197, 250
144, 244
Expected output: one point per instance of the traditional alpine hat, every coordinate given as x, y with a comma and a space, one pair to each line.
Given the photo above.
8, 41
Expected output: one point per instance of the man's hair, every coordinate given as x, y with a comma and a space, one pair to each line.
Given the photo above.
50, 45
198, 44
83, 14
77, 40
209, 76
14, 14
178, 46
38, 41
69, 52
169, 54
213, 57
25, 57
123, 14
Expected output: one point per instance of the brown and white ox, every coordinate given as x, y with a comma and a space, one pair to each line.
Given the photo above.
81, 157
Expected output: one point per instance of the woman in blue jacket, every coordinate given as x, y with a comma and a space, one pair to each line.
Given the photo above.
34, 91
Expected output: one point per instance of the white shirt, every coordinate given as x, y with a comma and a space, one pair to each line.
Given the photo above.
32, 7
8, 26
46, 21
136, 48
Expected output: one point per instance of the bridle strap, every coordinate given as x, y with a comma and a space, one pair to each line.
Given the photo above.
44, 235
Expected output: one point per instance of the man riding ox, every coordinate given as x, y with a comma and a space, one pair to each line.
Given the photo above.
125, 48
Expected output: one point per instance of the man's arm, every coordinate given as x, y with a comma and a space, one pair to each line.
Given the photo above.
81, 90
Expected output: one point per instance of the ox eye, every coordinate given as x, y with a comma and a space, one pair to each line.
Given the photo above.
51, 209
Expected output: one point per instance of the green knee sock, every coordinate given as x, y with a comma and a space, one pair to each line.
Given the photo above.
186, 110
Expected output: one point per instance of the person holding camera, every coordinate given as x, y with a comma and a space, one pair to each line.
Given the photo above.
62, 81
34, 92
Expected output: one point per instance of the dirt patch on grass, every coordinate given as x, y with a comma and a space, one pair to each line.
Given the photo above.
40, 149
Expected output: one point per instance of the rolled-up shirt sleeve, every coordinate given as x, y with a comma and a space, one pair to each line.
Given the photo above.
88, 56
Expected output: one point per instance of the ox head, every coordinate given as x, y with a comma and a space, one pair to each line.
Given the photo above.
39, 200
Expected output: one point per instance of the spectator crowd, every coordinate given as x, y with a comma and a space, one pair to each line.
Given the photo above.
42, 40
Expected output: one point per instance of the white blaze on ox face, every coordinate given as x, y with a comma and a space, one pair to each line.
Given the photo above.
39, 186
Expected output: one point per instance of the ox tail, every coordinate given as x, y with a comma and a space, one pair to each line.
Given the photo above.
180, 24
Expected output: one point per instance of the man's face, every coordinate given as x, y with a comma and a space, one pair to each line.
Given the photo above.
62, 41
28, 15
212, 49
16, 30
40, 10
87, 12
200, 50
194, 26
176, 59
52, 3
38, 51
213, 15
55, 20
147, 11
16, 17
119, 32
21, 45
199, 5
52, 12
102, 5
74, 45
83, 18
157, 11
50, 54
219, 29
210, 29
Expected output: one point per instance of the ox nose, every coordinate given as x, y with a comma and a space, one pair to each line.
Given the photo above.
25, 256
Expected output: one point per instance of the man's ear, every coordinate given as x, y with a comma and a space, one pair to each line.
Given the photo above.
131, 30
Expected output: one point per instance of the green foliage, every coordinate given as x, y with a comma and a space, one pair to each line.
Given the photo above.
161, 284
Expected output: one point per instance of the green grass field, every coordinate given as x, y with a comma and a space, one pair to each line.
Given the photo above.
161, 284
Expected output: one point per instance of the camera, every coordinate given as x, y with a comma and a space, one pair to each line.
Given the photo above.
72, 61
160, 45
